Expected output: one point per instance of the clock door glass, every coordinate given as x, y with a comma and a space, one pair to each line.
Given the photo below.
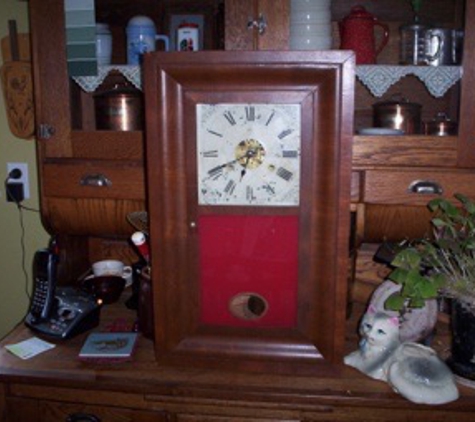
249, 270
248, 154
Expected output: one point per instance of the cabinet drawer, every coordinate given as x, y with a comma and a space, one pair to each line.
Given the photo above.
96, 179
40, 410
415, 187
60, 412
211, 418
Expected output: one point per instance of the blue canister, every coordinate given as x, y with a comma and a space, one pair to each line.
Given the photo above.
141, 38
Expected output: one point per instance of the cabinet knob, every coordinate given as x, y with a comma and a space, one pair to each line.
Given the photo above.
98, 180
425, 187
82, 417
259, 23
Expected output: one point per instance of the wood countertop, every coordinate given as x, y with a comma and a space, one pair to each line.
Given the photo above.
303, 386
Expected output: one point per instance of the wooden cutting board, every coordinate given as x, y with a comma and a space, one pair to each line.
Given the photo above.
23, 41
17, 84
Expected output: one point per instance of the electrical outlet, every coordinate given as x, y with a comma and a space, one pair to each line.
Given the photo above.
23, 179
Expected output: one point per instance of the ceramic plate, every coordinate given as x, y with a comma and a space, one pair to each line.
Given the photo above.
380, 131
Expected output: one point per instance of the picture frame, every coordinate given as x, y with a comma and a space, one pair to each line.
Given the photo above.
177, 19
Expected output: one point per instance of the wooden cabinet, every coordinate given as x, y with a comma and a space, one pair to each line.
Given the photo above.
34, 410
413, 186
257, 24
56, 385
75, 161
71, 149
466, 152
211, 418
399, 175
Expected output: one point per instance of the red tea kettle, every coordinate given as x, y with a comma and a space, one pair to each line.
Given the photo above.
357, 34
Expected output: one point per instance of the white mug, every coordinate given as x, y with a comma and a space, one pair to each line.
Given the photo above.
103, 44
113, 267
142, 38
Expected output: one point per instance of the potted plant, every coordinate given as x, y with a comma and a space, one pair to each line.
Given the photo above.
443, 266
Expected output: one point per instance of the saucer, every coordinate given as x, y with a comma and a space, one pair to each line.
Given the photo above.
380, 131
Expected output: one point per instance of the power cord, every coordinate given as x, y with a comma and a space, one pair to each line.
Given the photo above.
14, 175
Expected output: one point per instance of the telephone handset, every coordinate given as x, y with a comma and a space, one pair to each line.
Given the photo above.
44, 275
58, 312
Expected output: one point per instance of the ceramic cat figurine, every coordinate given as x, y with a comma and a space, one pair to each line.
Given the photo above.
413, 370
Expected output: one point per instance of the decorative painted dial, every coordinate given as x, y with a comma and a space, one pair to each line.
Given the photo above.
248, 154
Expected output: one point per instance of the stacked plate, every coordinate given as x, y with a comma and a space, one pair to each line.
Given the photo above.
310, 25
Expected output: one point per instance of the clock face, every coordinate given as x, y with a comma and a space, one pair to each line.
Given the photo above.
248, 154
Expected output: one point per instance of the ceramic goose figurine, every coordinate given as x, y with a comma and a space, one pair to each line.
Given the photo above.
413, 370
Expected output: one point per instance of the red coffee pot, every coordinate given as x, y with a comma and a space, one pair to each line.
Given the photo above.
357, 34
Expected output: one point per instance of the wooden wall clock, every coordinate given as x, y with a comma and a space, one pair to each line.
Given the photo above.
248, 172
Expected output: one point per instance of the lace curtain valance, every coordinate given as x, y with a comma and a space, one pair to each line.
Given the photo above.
378, 79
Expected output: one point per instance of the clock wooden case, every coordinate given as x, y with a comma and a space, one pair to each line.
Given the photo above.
248, 178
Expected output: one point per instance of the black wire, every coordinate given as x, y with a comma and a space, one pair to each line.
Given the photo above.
20, 208
22, 235
23, 251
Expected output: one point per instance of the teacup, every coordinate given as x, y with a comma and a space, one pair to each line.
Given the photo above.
113, 267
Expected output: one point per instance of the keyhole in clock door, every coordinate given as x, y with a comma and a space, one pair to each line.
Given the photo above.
248, 306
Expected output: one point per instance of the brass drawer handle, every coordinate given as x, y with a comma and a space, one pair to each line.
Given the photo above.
425, 187
98, 180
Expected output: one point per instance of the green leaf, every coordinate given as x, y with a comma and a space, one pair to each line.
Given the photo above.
427, 289
444, 206
438, 222
395, 302
399, 275
467, 203
434, 204
416, 303
407, 258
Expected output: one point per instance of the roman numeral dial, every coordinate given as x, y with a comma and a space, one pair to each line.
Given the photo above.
248, 154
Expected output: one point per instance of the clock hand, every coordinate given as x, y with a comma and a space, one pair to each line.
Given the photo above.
243, 171
250, 153
217, 170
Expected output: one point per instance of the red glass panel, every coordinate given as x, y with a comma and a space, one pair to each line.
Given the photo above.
243, 254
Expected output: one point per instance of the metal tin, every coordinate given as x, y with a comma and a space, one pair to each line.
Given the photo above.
188, 37
119, 109
440, 125
396, 114
413, 44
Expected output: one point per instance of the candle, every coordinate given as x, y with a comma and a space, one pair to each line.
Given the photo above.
140, 242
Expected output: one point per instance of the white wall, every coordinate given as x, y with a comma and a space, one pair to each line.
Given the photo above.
13, 259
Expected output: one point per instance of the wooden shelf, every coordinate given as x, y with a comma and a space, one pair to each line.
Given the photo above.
113, 145
407, 151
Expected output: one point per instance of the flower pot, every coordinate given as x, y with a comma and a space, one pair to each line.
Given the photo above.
462, 361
